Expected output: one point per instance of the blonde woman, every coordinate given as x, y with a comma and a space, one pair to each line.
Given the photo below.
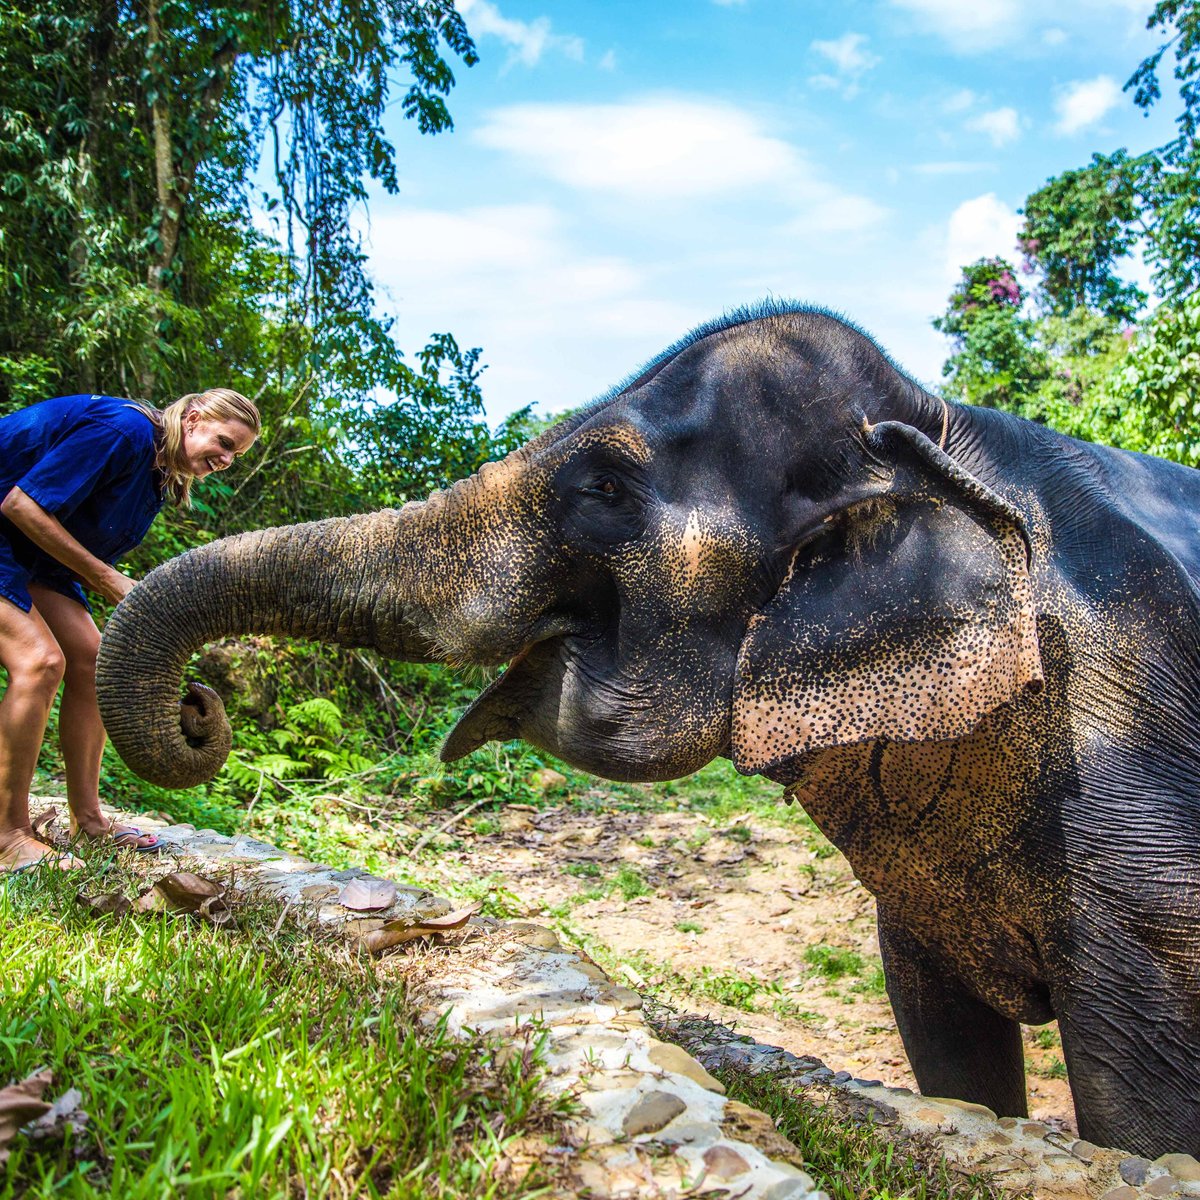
81, 479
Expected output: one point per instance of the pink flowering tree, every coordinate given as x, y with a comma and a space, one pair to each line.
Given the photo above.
995, 361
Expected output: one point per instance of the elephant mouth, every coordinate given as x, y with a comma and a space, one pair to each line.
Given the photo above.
522, 700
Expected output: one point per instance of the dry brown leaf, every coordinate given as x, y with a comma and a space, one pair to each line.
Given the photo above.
357, 926
21, 1103
368, 893
151, 900
452, 920
189, 891
112, 902
385, 939
43, 820
64, 1114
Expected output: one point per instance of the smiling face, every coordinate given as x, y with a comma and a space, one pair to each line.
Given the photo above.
212, 445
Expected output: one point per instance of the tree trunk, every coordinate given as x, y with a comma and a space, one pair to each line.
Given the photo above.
175, 166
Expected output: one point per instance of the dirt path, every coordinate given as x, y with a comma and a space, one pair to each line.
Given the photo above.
752, 923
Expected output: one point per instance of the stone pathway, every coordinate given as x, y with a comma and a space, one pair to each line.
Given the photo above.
652, 1122
1024, 1156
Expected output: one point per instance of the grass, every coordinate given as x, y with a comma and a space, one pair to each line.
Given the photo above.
833, 962
848, 1158
249, 1060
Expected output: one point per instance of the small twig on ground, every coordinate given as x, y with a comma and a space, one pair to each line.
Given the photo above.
429, 835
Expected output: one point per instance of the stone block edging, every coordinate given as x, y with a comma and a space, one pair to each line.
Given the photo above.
651, 1121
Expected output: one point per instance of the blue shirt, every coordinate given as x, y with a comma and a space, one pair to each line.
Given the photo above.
88, 460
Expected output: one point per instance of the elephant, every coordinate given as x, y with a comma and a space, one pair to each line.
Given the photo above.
967, 644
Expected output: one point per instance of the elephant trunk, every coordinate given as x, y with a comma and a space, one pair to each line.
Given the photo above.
325, 580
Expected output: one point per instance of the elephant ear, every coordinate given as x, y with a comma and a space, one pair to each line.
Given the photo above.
910, 619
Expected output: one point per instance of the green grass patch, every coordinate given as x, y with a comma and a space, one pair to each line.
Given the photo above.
629, 882
584, 870
833, 962
849, 1159
249, 1061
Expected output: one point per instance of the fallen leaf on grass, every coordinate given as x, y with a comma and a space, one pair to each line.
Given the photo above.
181, 891
367, 893
43, 820
21, 1103
65, 1113
396, 933
99, 906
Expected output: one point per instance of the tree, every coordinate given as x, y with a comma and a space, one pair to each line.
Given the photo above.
1171, 182
995, 362
131, 137
1077, 226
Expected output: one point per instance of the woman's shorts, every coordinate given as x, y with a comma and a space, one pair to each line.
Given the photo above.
20, 568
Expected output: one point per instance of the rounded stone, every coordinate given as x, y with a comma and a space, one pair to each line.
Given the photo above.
1035, 1129
652, 1112
800, 1188
724, 1162
1085, 1151
537, 936
1164, 1185
1182, 1166
677, 1060
1133, 1170
1121, 1193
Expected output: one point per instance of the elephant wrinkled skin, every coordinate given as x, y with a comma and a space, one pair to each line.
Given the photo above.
967, 644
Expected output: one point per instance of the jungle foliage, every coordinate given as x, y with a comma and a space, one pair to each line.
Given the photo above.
1075, 346
179, 187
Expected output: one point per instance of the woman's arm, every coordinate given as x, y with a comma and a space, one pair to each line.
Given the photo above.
46, 531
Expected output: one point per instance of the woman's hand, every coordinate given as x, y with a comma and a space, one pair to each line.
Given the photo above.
45, 530
115, 586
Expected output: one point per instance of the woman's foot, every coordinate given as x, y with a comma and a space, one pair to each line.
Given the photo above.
20, 850
97, 827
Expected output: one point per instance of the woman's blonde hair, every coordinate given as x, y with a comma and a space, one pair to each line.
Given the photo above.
216, 404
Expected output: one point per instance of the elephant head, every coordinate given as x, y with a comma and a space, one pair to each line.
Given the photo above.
755, 548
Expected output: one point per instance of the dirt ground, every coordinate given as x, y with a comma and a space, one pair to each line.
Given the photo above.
727, 914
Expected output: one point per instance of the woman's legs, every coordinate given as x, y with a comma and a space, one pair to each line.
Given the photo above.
81, 734
35, 665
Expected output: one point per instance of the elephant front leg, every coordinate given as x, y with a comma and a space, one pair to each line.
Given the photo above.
1133, 1065
957, 1046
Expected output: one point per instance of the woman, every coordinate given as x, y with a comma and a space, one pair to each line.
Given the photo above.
81, 478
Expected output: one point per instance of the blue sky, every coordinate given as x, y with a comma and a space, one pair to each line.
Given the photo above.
620, 172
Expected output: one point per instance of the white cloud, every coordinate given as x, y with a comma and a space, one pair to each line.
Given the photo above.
654, 147
1084, 102
608, 61
960, 101
1001, 125
969, 26
847, 53
974, 26
984, 227
512, 279
673, 149
527, 40
849, 56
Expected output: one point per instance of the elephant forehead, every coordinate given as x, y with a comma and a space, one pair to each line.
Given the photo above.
622, 436
703, 553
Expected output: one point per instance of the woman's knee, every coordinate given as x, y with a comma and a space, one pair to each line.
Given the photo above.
81, 663
40, 669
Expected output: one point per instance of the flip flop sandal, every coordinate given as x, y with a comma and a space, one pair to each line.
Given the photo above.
124, 839
130, 839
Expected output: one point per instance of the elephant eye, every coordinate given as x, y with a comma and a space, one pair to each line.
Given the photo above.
607, 488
